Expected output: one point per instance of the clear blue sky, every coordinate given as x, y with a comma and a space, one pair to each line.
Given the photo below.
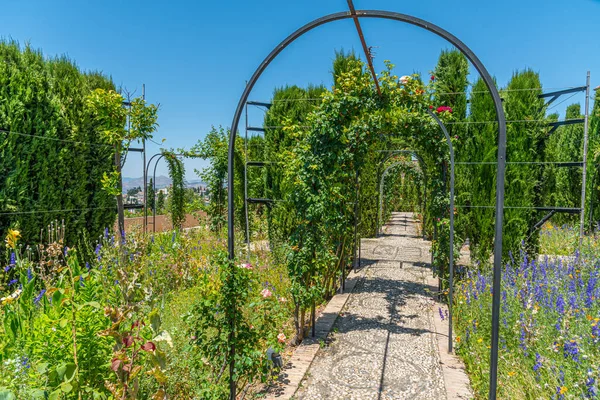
195, 56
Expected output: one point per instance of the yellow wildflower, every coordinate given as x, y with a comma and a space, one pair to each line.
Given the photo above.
563, 390
479, 340
511, 373
11, 238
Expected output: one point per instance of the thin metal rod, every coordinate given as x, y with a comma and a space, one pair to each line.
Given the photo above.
146, 184
246, 187
500, 173
313, 319
366, 50
557, 163
451, 261
145, 172
585, 151
354, 247
569, 210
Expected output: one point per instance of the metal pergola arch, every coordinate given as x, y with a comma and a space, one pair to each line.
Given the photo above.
381, 184
421, 167
500, 171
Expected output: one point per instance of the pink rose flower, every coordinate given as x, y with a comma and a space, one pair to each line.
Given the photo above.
266, 293
281, 338
404, 79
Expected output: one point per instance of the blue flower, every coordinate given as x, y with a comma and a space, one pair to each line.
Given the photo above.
12, 282
560, 304
571, 350
538, 362
441, 313
39, 296
29, 275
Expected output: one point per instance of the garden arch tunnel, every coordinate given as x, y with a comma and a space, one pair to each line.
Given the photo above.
381, 195
500, 172
384, 174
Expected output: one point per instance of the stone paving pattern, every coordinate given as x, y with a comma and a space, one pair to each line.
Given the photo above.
384, 344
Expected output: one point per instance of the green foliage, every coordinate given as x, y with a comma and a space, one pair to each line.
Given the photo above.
214, 147
177, 193
120, 327
54, 156
334, 144
160, 202
151, 199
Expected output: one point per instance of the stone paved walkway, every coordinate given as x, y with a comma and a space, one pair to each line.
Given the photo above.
384, 345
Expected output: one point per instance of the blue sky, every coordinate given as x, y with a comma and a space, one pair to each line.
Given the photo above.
195, 56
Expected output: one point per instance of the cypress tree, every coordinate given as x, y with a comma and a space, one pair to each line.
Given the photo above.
52, 157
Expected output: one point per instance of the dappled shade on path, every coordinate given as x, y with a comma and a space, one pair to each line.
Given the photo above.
384, 342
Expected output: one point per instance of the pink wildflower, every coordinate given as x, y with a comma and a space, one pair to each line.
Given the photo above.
282, 299
441, 109
246, 266
404, 79
266, 293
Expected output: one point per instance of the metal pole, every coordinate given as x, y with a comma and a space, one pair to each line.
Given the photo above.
246, 186
500, 116
312, 318
591, 212
451, 261
154, 190
585, 151
354, 247
145, 171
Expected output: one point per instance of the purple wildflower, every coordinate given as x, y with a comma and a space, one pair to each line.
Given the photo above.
12, 282
441, 313
29, 275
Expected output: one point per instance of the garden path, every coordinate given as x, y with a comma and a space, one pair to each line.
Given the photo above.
384, 344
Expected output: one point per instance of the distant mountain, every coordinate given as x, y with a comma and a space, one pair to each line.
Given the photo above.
161, 182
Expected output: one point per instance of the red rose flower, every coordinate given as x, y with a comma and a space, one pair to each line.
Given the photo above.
441, 109
432, 77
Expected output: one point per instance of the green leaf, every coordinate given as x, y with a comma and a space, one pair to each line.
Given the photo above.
6, 394
42, 368
66, 387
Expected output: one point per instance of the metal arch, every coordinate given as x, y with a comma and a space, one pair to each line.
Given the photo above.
423, 171
451, 261
500, 171
145, 185
381, 183
162, 155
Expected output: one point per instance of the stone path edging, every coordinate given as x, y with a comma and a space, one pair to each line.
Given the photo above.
456, 380
295, 369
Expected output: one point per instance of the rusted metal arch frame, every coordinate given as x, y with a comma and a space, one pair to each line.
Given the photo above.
500, 171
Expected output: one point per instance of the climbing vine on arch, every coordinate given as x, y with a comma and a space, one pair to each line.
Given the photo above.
177, 195
337, 141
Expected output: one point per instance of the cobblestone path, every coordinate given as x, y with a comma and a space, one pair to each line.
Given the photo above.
383, 345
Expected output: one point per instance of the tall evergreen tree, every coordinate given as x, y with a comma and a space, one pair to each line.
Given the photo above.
52, 157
